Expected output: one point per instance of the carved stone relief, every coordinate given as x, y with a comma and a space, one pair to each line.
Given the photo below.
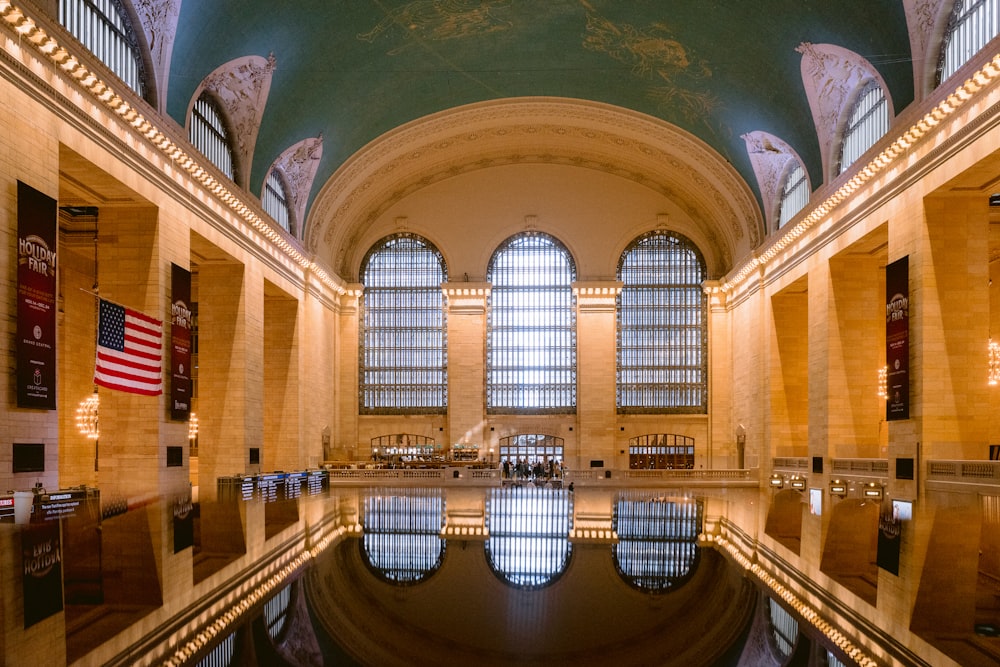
241, 87
298, 165
159, 25
831, 76
769, 157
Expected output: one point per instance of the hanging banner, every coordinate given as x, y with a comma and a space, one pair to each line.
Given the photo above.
180, 343
889, 529
183, 524
897, 339
36, 299
41, 560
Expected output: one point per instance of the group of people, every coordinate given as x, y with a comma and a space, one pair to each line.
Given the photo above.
536, 469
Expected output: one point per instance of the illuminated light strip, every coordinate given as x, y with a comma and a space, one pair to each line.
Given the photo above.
804, 610
986, 75
106, 96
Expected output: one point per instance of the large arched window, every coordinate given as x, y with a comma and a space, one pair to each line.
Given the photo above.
403, 361
794, 193
531, 339
274, 200
662, 331
973, 23
867, 123
209, 135
104, 28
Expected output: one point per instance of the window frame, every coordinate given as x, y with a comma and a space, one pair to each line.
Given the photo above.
651, 330
397, 321
203, 128
506, 382
864, 120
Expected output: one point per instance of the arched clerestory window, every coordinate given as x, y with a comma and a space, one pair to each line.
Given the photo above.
867, 123
274, 200
103, 26
972, 25
662, 326
794, 193
403, 357
531, 330
207, 131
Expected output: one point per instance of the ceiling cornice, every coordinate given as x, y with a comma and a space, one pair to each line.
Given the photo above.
535, 130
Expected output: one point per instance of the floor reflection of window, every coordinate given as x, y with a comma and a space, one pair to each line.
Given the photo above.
529, 527
222, 654
784, 628
657, 540
276, 610
402, 534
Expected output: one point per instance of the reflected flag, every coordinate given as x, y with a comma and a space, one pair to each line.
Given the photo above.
129, 351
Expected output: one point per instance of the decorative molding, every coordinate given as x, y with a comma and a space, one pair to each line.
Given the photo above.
582, 134
297, 165
159, 25
769, 157
832, 76
597, 295
241, 87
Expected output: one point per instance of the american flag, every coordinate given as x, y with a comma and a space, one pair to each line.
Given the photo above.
129, 353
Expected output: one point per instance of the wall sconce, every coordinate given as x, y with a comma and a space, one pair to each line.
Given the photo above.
838, 488
798, 483
873, 491
776, 481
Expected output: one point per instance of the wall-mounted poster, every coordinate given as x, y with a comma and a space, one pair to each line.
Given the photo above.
36, 299
897, 339
180, 343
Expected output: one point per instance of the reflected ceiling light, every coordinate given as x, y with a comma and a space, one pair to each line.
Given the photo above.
193, 427
86, 417
994, 363
883, 382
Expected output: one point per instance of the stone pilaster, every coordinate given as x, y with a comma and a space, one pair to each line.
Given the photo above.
466, 303
596, 365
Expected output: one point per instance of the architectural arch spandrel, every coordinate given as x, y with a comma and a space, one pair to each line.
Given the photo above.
832, 77
537, 131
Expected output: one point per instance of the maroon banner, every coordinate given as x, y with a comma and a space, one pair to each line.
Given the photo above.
180, 343
897, 339
36, 299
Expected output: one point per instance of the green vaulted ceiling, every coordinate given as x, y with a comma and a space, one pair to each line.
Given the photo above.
355, 69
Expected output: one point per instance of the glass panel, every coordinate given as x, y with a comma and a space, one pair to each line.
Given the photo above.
869, 121
531, 339
100, 25
274, 200
208, 134
403, 364
973, 24
662, 336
